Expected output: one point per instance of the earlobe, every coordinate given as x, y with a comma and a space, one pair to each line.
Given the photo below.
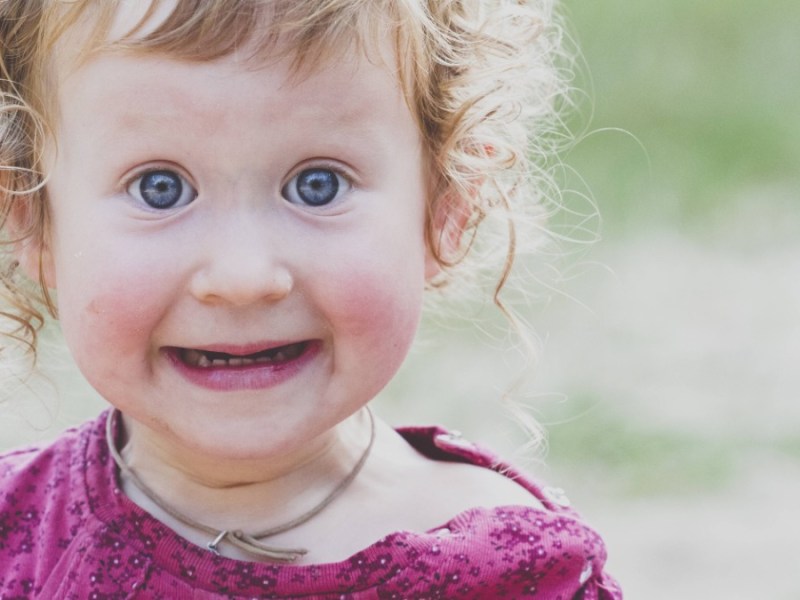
30, 243
448, 223
35, 261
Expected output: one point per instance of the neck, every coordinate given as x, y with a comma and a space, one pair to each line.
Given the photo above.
246, 494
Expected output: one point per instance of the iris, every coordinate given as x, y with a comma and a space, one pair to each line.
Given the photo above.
317, 187
161, 189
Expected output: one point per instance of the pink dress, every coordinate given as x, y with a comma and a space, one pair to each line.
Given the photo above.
68, 532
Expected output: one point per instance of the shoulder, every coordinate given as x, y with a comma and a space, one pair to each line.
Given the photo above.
37, 482
34, 477
40, 461
513, 537
462, 469
509, 533
461, 486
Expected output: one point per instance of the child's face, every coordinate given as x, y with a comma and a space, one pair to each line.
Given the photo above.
217, 207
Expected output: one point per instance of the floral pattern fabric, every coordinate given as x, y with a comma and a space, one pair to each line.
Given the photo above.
68, 532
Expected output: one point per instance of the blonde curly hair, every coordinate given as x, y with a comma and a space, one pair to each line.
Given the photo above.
481, 77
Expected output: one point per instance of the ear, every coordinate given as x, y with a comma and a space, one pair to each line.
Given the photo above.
27, 226
447, 222
35, 260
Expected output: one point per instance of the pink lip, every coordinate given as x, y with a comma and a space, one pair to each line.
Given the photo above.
243, 377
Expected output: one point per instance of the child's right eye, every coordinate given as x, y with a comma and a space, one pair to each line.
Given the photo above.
162, 189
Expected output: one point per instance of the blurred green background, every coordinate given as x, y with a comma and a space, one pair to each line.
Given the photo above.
681, 430
667, 380
710, 90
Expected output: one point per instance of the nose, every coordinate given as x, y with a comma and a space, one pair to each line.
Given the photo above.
243, 264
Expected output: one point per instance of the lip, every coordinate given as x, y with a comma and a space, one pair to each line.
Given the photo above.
242, 377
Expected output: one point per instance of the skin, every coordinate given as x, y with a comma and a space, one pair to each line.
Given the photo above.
240, 266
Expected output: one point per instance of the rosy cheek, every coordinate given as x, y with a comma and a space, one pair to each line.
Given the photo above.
376, 306
117, 313
109, 317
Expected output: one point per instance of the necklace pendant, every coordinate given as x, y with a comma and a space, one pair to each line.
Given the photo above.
212, 545
254, 546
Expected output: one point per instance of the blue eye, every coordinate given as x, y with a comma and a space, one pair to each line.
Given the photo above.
314, 187
162, 189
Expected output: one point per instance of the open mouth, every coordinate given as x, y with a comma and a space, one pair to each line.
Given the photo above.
206, 359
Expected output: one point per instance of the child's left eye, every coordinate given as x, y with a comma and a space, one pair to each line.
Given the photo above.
162, 189
315, 187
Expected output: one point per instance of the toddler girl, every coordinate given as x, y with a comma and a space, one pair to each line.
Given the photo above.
235, 208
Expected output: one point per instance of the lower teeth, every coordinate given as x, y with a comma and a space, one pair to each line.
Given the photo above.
200, 359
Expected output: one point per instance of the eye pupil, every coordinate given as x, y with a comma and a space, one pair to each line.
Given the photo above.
161, 189
317, 187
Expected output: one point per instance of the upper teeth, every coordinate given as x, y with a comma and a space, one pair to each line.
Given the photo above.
201, 359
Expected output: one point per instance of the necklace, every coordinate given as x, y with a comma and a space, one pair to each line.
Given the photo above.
250, 543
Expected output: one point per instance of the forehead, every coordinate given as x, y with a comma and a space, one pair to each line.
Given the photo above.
134, 92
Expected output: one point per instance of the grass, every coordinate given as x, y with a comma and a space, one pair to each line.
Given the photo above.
706, 93
691, 126
639, 460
